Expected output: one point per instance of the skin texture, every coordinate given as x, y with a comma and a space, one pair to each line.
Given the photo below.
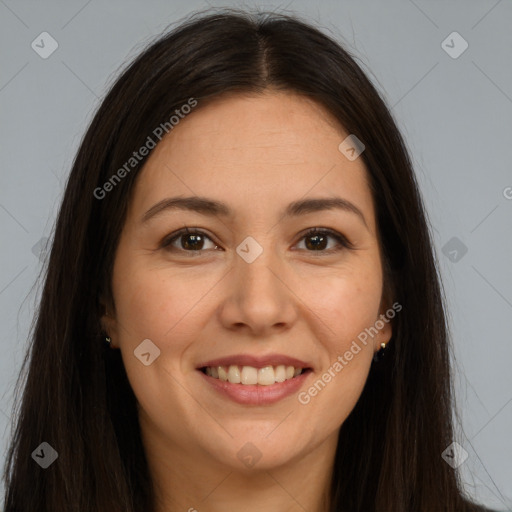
256, 154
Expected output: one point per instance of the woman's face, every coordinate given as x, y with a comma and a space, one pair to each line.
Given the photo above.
251, 289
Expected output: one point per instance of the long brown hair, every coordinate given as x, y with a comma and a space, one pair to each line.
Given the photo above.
76, 395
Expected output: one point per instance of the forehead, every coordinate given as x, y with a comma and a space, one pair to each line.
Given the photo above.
271, 125
254, 152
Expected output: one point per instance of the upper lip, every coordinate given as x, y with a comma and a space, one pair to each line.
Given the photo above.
256, 361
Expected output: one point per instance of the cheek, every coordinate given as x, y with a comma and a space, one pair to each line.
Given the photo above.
144, 305
161, 305
349, 305
141, 307
148, 306
346, 304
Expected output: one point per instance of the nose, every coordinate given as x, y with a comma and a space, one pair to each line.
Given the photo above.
258, 299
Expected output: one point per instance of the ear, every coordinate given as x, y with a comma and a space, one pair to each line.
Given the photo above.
108, 321
384, 322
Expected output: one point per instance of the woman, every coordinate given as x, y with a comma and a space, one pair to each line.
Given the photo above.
241, 309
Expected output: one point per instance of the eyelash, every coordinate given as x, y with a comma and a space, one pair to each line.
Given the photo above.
342, 241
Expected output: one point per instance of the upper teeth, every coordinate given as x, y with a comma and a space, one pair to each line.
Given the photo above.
249, 375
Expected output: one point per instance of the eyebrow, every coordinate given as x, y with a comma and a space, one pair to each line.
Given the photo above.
211, 207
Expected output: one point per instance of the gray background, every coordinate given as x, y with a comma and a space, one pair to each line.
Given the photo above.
455, 114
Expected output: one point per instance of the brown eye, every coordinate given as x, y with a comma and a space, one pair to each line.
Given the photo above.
315, 240
192, 241
318, 240
187, 241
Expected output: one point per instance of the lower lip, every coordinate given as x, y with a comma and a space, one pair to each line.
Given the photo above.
257, 394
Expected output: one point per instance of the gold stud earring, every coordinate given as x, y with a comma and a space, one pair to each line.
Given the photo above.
380, 354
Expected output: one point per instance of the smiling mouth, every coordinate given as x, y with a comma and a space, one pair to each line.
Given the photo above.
250, 375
